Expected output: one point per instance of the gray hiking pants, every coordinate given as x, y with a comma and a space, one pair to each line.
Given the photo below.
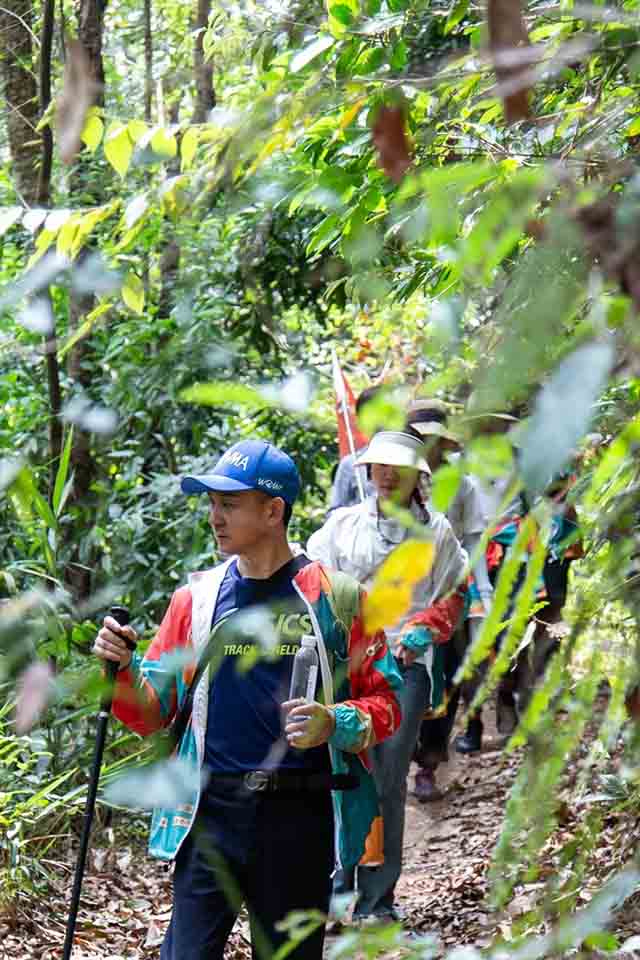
391, 761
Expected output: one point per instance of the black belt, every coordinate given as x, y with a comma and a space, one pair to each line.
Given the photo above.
261, 781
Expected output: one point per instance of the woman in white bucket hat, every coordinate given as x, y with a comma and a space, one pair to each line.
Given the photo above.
357, 540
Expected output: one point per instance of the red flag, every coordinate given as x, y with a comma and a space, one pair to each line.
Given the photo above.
350, 438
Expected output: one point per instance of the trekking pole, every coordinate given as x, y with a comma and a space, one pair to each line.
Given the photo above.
121, 614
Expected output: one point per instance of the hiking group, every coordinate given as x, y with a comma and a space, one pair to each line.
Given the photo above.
290, 792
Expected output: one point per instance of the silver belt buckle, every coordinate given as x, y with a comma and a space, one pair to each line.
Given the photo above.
257, 780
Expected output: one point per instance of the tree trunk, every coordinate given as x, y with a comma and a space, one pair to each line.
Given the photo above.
48, 20
203, 71
44, 196
20, 95
90, 28
148, 61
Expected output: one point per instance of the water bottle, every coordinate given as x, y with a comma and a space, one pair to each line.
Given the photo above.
304, 675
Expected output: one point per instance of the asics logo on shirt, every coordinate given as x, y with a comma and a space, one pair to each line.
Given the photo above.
289, 627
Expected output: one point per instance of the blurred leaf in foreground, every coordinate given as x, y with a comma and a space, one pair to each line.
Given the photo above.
34, 690
394, 582
167, 783
562, 413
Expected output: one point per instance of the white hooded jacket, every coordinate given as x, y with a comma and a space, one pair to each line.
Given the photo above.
356, 540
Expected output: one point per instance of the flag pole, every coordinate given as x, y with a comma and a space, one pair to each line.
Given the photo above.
341, 397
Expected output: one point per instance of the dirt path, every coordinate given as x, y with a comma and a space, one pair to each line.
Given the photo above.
448, 847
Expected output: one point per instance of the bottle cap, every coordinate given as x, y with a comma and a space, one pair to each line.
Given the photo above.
308, 640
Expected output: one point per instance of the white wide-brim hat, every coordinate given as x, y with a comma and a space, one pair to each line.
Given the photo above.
395, 449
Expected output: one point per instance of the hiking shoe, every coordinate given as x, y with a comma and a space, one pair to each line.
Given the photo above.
471, 740
426, 789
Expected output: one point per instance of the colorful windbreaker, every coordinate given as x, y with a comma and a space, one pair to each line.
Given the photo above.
359, 677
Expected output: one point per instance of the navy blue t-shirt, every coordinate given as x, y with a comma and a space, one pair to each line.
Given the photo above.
244, 724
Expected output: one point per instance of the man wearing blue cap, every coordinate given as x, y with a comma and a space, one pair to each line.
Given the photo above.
261, 827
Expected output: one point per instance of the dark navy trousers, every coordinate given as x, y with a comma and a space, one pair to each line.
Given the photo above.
272, 851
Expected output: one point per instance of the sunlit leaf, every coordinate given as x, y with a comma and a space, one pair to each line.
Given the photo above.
221, 394
118, 148
61, 474
189, 146
133, 293
445, 484
135, 209
10, 467
305, 56
456, 14
342, 15
93, 130
392, 589
164, 143
137, 130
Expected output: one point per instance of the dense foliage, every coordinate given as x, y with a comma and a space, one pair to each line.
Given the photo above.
354, 183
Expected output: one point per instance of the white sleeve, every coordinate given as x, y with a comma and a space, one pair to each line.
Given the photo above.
476, 517
450, 560
322, 545
480, 571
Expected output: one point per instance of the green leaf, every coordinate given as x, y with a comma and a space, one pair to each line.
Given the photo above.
634, 128
399, 55
135, 209
309, 53
342, 13
67, 235
222, 394
562, 413
371, 60
456, 14
342, 16
325, 233
137, 129
164, 143
118, 148
446, 481
133, 293
25, 497
61, 475
93, 130
188, 147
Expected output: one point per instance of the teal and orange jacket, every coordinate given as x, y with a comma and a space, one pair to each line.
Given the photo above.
360, 681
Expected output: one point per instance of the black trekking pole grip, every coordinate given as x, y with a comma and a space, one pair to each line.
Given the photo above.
121, 614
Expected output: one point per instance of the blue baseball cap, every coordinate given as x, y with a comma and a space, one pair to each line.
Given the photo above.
250, 465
